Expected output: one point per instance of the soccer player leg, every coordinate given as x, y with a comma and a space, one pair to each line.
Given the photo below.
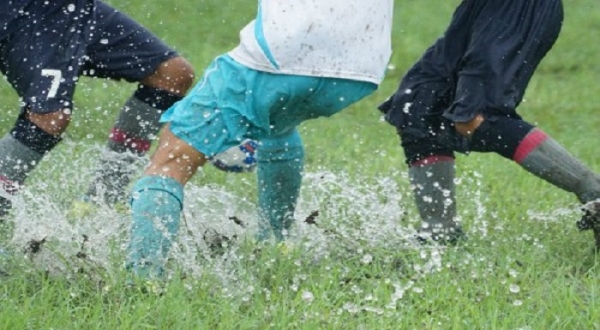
156, 204
31, 138
502, 130
279, 171
429, 143
431, 173
130, 138
123, 49
45, 83
537, 153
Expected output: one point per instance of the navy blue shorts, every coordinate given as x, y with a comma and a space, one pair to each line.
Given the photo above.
50, 44
481, 65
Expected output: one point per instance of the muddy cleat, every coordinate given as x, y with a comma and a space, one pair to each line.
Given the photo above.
591, 220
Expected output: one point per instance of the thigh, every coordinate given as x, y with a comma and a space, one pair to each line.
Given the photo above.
215, 114
509, 40
332, 96
122, 48
232, 103
427, 89
286, 100
41, 57
9, 11
439, 64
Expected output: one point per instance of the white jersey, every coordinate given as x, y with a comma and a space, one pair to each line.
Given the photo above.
348, 39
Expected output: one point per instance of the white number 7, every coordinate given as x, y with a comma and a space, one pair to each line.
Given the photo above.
56, 77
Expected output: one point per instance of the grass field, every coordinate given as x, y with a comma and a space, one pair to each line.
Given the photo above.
525, 265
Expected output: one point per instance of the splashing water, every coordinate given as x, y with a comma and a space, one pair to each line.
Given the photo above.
339, 217
353, 215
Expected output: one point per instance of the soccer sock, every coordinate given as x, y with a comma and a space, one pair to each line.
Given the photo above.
130, 137
542, 156
15, 160
432, 179
156, 204
280, 163
20, 152
537, 153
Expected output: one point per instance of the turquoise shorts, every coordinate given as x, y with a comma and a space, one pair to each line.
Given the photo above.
232, 103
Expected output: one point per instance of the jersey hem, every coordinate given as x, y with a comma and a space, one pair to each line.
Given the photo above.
305, 72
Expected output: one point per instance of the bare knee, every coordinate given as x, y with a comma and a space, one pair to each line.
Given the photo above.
54, 123
175, 158
175, 75
468, 128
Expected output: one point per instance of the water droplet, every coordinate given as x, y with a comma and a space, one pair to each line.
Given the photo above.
308, 296
366, 259
514, 288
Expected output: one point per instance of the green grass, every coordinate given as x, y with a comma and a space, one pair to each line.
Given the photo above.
525, 265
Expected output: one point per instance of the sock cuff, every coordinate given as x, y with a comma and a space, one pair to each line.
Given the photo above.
160, 183
127, 140
136, 127
501, 135
529, 143
434, 159
33, 137
156, 98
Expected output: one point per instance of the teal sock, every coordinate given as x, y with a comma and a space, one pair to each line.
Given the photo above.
280, 163
156, 205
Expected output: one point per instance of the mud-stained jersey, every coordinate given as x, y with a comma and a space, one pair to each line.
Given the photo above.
348, 39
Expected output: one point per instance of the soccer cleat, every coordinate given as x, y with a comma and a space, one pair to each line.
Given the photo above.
238, 159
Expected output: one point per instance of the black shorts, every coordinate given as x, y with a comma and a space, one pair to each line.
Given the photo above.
50, 44
484, 61
481, 65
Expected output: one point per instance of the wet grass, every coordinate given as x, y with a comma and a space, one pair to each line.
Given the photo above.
524, 266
